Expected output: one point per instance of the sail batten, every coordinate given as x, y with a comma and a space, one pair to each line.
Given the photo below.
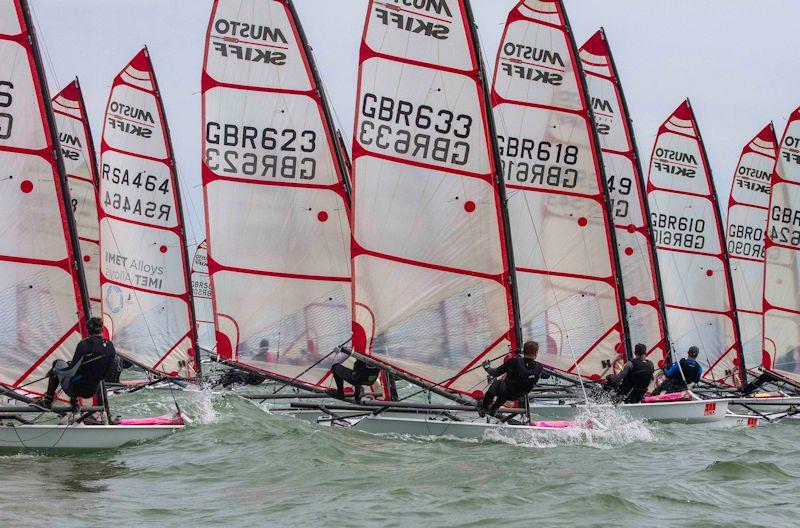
781, 299
277, 207
691, 248
567, 274
431, 279
144, 271
44, 303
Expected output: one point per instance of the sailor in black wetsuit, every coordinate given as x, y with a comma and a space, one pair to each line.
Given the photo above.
361, 374
681, 374
93, 361
522, 374
632, 381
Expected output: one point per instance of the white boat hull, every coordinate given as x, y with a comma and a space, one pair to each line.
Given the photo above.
78, 436
695, 411
765, 405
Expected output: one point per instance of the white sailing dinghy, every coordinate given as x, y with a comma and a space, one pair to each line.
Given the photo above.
432, 263
562, 200
80, 163
144, 271
201, 296
43, 294
276, 196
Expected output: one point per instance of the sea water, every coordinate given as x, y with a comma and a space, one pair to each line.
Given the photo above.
238, 465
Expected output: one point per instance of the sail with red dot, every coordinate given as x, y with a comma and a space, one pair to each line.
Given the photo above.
144, 270
42, 305
568, 279
276, 199
782, 269
747, 223
77, 151
692, 258
431, 278
626, 187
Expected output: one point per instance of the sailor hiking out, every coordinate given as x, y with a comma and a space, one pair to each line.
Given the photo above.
94, 361
360, 375
632, 381
522, 374
681, 374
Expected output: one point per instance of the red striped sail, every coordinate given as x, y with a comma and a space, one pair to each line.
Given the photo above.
566, 270
431, 290
626, 186
782, 271
747, 224
144, 273
276, 200
201, 295
687, 228
77, 151
42, 307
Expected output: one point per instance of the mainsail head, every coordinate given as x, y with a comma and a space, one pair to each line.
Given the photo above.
687, 228
42, 306
276, 203
566, 271
431, 290
782, 272
626, 187
144, 279
80, 163
747, 224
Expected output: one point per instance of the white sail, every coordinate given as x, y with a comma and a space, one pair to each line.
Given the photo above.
42, 308
144, 271
626, 186
276, 203
685, 217
747, 224
432, 295
566, 270
201, 295
782, 272
77, 151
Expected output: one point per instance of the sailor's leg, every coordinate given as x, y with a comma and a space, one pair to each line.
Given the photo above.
337, 377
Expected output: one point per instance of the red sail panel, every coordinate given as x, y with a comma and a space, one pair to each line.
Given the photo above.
431, 285
747, 224
566, 270
144, 273
782, 271
77, 151
626, 186
687, 228
201, 296
41, 301
276, 204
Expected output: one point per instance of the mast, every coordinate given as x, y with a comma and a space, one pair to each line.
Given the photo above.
341, 156
501, 183
781, 304
639, 274
567, 274
182, 225
62, 173
747, 224
688, 232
